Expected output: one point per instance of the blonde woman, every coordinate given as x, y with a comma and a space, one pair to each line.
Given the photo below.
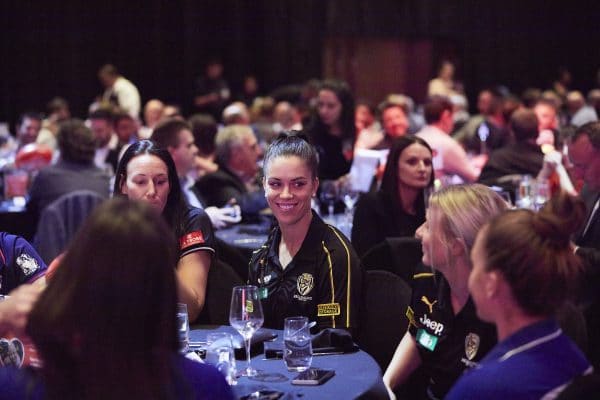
445, 336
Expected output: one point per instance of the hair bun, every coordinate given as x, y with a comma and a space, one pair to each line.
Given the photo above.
560, 217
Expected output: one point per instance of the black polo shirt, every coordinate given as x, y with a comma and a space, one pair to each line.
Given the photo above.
322, 282
447, 343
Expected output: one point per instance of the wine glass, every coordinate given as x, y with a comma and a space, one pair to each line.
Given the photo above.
246, 316
329, 195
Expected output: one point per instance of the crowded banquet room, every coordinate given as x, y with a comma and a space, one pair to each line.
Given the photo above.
340, 199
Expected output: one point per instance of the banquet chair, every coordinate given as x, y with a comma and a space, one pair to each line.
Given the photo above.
221, 279
60, 221
398, 255
383, 319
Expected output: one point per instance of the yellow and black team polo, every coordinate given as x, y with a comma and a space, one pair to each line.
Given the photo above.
322, 282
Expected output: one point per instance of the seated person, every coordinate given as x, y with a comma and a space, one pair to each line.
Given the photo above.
306, 267
148, 173
19, 263
398, 207
523, 270
522, 157
105, 327
237, 153
74, 170
442, 315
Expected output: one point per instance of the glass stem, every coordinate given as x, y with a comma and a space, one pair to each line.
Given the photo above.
248, 367
330, 209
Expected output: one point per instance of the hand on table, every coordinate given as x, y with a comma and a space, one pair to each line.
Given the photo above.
222, 217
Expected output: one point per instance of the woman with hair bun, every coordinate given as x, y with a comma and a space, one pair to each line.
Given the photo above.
523, 270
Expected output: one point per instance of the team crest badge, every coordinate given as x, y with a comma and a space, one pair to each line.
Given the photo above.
27, 263
305, 283
471, 345
12, 352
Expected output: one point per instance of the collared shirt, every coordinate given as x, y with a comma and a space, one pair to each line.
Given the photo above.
536, 362
197, 234
19, 262
448, 343
322, 282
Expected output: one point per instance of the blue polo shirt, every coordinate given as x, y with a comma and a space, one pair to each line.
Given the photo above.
534, 362
19, 262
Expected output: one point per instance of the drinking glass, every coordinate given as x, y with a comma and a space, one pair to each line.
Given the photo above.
542, 193
183, 327
297, 352
220, 354
329, 195
246, 316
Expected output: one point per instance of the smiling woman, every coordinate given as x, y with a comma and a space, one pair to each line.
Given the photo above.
306, 267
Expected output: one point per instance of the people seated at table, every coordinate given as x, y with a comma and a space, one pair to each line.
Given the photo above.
147, 173
584, 152
28, 128
176, 137
19, 263
204, 128
395, 123
442, 316
523, 157
450, 158
107, 142
398, 207
153, 113
332, 130
306, 267
237, 153
523, 271
105, 327
74, 169
58, 111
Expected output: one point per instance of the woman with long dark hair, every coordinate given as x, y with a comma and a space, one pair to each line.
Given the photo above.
147, 173
332, 130
398, 207
105, 327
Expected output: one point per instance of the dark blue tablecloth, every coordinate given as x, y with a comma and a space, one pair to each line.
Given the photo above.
357, 375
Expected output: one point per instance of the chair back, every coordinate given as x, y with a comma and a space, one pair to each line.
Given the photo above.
221, 279
383, 319
398, 255
60, 221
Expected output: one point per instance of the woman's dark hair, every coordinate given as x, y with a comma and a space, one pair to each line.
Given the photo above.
345, 97
389, 182
176, 206
105, 326
76, 141
292, 144
533, 253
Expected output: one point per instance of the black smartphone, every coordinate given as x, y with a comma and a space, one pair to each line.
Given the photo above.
313, 376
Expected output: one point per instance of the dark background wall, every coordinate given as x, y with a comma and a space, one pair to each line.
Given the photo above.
55, 48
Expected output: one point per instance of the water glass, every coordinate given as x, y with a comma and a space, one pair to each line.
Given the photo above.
297, 352
220, 354
183, 327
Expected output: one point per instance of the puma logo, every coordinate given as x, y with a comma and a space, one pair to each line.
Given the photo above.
428, 303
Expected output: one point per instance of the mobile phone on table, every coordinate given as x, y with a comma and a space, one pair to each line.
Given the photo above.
313, 376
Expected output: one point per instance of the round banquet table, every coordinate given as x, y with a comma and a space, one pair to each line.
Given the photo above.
357, 375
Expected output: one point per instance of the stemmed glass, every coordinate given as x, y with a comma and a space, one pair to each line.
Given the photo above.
246, 316
349, 196
329, 195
